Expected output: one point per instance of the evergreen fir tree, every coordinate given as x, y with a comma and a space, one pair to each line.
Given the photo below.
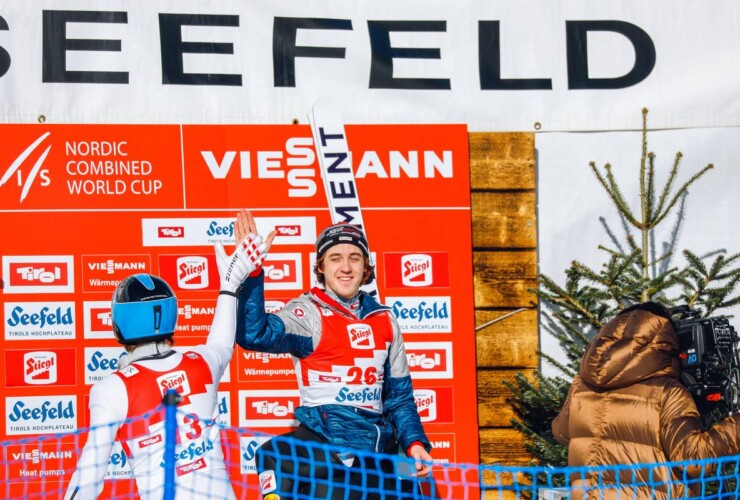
633, 271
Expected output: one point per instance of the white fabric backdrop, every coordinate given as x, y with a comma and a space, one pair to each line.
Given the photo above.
693, 84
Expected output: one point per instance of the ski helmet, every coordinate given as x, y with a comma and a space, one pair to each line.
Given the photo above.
144, 309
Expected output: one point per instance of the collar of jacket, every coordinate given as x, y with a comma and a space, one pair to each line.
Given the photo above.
368, 304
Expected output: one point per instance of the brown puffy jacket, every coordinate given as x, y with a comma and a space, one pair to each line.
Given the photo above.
627, 406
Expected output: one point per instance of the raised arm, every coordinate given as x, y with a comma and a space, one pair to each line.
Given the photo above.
248, 255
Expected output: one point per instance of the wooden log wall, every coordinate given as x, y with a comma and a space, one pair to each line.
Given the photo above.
504, 209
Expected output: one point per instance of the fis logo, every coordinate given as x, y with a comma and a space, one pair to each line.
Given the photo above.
36, 175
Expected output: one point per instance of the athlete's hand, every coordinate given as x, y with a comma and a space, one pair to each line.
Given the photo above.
245, 225
422, 460
248, 256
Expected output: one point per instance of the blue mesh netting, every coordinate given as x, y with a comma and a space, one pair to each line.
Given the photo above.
41, 467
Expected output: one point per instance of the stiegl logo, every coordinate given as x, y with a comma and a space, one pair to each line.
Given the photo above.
192, 272
40, 367
177, 380
361, 336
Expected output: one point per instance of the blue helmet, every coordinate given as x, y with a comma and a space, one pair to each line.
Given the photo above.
144, 310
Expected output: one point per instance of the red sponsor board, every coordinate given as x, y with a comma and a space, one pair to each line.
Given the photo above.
93, 167
199, 176
33, 368
417, 270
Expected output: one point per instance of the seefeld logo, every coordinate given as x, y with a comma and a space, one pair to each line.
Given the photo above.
177, 380
46, 411
361, 336
422, 314
42, 318
40, 367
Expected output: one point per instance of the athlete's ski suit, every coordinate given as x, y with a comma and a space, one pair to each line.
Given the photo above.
353, 376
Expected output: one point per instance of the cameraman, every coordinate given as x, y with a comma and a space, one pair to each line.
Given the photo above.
628, 406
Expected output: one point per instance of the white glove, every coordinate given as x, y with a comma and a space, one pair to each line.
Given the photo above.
247, 257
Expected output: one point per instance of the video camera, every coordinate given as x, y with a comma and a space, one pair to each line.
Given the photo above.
710, 365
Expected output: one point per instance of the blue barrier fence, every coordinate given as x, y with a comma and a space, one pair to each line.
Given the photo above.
41, 467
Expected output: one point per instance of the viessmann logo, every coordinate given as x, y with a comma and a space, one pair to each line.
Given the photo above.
102, 273
38, 274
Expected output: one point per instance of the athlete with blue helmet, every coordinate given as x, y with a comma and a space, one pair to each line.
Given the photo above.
144, 310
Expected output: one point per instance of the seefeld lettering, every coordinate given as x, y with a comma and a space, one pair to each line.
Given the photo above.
215, 229
118, 459
42, 318
99, 362
363, 396
193, 450
421, 312
59, 411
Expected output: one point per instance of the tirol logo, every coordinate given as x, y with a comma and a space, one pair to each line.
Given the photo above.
273, 408
40, 414
39, 320
24, 368
434, 404
417, 270
361, 336
171, 232
283, 271
189, 272
422, 314
98, 320
102, 273
428, 360
177, 380
38, 274
288, 230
